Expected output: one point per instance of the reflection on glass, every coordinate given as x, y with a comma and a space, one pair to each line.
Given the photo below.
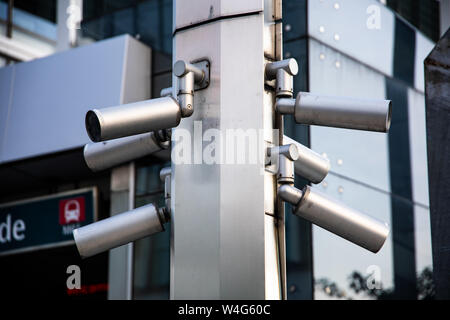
151, 254
422, 14
294, 19
44, 9
298, 231
150, 21
360, 286
345, 271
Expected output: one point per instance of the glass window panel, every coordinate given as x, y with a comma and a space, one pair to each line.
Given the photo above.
418, 147
298, 49
298, 257
424, 258
155, 24
298, 231
97, 8
23, 19
42, 8
294, 19
150, 21
361, 155
124, 21
423, 14
151, 254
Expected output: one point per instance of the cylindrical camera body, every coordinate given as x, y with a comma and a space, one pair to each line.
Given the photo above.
341, 220
309, 165
132, 119
103, 155
118, 230
341, 112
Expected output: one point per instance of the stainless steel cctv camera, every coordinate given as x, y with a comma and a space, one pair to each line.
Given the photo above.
309, 165
300, 160
125, 227
317, 207
132, 119
336, 217
154, 114
120, 229
313, 109
339, 112
126, 132
103, 155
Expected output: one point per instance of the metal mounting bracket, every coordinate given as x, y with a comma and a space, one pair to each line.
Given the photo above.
205, 66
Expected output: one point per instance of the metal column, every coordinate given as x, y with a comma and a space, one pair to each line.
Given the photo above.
227, 237
120, 275
69, 16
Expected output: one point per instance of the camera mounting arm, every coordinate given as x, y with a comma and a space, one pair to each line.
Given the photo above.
283, 72
188, 75
322, 210
312, 109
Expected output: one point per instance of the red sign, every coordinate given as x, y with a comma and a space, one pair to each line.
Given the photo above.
88, 289
71, 211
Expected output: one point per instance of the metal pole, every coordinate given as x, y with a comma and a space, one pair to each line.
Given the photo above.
227, 237
9, 24
69, 17
9, 19
120, 273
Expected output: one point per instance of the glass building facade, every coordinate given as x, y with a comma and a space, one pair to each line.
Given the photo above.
45, 9
382, 175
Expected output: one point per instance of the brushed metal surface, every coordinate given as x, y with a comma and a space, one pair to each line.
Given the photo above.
104, 155
310, 165
187, 13
117, 230
343, 112
342, 220
363, 30
131, 119
223, 246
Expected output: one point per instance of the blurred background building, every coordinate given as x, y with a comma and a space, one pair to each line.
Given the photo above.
363, 48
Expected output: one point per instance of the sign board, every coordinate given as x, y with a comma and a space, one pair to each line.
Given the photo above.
45, 222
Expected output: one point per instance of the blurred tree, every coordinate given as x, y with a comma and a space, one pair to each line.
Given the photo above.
358, 284
425, 285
